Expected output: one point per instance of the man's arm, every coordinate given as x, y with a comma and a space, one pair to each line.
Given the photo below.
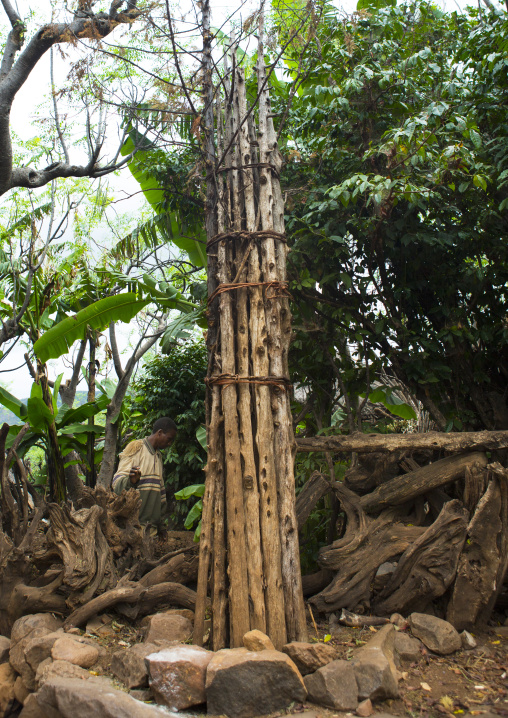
128, 473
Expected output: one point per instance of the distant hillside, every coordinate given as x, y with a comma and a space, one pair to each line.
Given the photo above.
10, 418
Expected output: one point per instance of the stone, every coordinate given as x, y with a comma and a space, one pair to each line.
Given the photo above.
75, 698
49, 670
39, 648
501, 631
5, 644
178, 676
45, 622
407, 649
365, 709
129, 665
80, 654
242, 683
7, 681
383, 575
21, 692
374, 666
468, 642
438, 635
308, 657
333, 686
398, 620
185, 612
257, 641
32, 709
168, 627
141, 695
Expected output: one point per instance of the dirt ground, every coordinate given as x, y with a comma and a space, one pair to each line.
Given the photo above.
468, 682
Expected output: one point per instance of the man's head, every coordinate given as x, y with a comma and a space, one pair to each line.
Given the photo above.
163, 433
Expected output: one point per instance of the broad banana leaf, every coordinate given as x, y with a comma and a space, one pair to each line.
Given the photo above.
15, 405
60, 338
168, 226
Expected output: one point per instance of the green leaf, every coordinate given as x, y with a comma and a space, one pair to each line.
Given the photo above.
10, 402
55, 393
39, 415
201, 436
59, 339
194, 514
188, 491
81, 429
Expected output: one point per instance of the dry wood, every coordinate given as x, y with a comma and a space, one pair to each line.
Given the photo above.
482, 565
433, 440
358, 554
428, 567
315, 582
147, 598
415, 483
314, 490
354, 620
179, 569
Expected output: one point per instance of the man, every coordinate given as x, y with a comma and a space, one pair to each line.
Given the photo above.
140, 467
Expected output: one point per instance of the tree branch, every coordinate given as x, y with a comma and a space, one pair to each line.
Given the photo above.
94, 27
114, 350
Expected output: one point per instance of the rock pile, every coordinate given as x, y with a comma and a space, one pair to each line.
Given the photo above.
45, 669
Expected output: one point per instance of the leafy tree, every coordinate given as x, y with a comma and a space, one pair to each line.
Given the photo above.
396, 176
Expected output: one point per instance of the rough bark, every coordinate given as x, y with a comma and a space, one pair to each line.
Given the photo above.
433, 440
358, 554
483, 563
428, 567
415, 483
250, 479
314, 490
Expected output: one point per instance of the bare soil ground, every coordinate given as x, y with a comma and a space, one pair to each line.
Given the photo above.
468, 682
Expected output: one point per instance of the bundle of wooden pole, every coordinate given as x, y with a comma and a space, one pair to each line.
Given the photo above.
249, 558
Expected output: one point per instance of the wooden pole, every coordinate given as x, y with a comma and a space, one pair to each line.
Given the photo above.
249, 500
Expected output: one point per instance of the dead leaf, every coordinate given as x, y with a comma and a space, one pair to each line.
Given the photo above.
425, 686
446, 702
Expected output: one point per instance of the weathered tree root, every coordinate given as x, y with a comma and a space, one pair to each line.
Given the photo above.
145, 598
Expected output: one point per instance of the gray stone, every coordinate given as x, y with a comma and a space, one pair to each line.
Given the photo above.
178, 676
398, 620
406, 648
21, 692
439, 636
75, 698
168, 627
242, 683
468, 642
374, 666
5, 645
333, 686
308, 657
141, 694
129, 665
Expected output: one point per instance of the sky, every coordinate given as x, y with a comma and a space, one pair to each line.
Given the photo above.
23, 115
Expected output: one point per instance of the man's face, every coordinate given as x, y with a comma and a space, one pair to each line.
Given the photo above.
164, 440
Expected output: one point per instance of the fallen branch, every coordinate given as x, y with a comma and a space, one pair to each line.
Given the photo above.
171, 593
434, 440
401, 489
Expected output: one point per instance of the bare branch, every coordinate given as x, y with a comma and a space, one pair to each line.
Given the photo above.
114, 350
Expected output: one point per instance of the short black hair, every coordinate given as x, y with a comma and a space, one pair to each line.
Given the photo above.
164, 424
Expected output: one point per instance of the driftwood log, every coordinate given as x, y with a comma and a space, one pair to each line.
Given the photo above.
432, 440
415, 483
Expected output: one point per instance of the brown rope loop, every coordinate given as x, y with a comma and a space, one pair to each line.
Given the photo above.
253, 236
251, 165
279, 382
280, 289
